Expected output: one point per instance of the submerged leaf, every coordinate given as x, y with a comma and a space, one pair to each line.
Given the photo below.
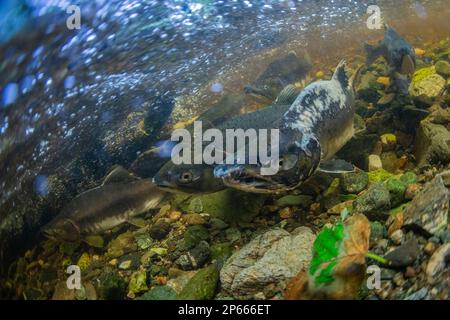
337, 268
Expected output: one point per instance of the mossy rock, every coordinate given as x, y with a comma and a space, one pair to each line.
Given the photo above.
229, 205
379, 175
396, 190
202, 286
423, 73
374, 203
354, 182
68, 248
159, 293
221, 251
408, 178
111, 286
194, 235
121, 245
84, 261
294, 200
138, 282
443, 68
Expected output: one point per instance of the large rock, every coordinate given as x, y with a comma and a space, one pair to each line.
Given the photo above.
443, 68
432, 144
426, 83
228, 205
404, 255
428, 212
374, 203
267, 262
438, 262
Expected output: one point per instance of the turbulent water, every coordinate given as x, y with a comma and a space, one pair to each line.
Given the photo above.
73, 103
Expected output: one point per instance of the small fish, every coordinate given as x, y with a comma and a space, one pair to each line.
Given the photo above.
280, 73
399, 54
119, 199
199, 178
315, 127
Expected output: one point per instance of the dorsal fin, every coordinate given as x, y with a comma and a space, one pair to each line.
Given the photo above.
287, 95
118, 174
340, 75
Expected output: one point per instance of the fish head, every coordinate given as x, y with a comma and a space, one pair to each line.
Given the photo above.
185, 178
297, 161
61, 229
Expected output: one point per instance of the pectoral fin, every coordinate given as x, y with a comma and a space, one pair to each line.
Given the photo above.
137, 222
408, 66
288, 95
336, 166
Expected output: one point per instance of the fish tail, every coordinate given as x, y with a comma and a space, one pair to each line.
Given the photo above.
372, 53
340, 75
355, 78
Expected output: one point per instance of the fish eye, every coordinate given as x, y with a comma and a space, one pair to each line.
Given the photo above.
186, 177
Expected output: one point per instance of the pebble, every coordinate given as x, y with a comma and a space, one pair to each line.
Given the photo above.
174, 215
397, 237
410, 272
404, 255
385, 81
286, 213
113, 262
125, 265
398, 279
375, 162
419, 52
438, 262
194, 219
418, 295
411, 191
388, 141
430, 248
159, 229
320, 74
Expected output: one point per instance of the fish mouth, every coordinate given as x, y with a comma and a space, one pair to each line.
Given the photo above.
164, 184
243, 179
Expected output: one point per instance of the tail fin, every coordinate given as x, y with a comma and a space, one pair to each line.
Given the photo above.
372, 53
340, 75
355, 78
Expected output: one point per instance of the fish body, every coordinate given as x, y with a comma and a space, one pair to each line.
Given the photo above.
104, 207
398, 53
317, 125
280, 73
199, 178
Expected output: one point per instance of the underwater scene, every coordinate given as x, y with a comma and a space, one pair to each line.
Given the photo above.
224, 150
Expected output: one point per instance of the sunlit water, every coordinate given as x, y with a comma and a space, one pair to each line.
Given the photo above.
65, 92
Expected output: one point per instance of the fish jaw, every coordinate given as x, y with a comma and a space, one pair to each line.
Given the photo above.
248, 179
